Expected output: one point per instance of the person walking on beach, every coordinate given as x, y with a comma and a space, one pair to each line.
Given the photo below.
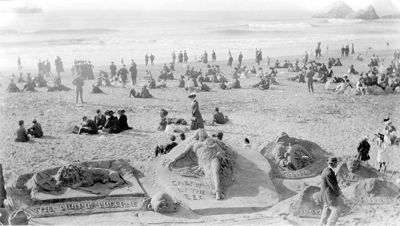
352, 48
152, 59
113, 69
123, 73
330, 193
185, 57
306, 58
19, 64
146, 59
197, 119
133, 70
343, 50
214, 56
230, 60
173, 54
267, 61
240, 58
79, 82
327, 49
310, 76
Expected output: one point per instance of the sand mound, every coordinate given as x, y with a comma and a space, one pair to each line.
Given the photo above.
352, 171
294, 158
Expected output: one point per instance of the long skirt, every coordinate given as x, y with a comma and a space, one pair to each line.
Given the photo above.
196, 125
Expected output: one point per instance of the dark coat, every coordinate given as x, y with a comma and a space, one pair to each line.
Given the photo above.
330, 190
123, 123
100, 120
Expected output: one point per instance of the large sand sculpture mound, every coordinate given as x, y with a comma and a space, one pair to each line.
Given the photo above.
294, 158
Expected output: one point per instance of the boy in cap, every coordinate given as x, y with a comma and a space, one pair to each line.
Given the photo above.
165, 149
330, 193
21, 134
35, 130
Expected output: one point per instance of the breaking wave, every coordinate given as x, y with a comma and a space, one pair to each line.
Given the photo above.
57, 31
345, 21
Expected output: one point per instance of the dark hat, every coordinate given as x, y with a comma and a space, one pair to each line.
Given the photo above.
98, 111
20, 122
332, 160
34, 121
109, 112
84, 117
386, 119
192, 95
121, 111
216, 109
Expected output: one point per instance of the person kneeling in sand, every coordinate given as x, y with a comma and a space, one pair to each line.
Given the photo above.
218, 117
21, 135
30, 86
165, 149
88, 126
35, 130
263, 84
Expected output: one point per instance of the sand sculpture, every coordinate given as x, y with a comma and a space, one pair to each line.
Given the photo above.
204, 157
162, 203
296, 158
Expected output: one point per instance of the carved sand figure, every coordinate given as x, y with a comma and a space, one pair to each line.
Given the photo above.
78, 176
162, 203
203, 157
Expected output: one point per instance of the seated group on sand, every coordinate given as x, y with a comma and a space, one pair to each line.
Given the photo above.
109, 124
144, 93
39, 81
23, 135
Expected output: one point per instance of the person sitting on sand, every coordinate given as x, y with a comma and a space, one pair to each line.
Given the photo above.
207, 79
40, 81
12, 87
223, 86
148, 75
352, 70
88, 126
123, 120
161, 84
204, 87
21, 134
384, 81
112, 123
20, 79
338, 63
182, 82
96, 89
35, 130
144, 93
99, 119
367, 80
373, 70
374, 80
214, 79
361, 87
200, 79
165, 149
30, 86
302, 76
263, 84
359, 57
235, 84
395, 83
218, 117
152, 84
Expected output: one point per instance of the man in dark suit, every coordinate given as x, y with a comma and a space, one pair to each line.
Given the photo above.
330, 193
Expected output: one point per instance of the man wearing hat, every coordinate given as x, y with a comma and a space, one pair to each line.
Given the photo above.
330, 193
123, 120
35, 130
133, 70
112, 124
79, 83
123, 72
21, 134
197, 119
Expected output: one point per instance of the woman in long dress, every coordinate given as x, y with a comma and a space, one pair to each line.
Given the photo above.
197, 119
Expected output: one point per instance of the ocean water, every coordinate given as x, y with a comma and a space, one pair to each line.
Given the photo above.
105, 36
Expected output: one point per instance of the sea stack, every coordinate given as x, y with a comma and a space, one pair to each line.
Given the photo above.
337, 9
365, 14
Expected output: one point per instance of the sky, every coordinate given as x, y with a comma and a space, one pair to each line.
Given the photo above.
190, 5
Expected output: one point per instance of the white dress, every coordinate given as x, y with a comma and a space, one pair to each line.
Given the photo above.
382, 155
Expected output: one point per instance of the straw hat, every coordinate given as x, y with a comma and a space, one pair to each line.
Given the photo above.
192, 95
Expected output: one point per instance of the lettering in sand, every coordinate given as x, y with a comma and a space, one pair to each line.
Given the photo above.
190, 190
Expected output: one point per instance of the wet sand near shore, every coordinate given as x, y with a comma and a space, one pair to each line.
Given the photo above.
335, 121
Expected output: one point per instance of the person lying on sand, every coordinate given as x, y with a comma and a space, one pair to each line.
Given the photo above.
161, 84
263, 84
36, 129
21, 135
112, 123
88, 126
218, 117
123, 120
165, 149
12, 87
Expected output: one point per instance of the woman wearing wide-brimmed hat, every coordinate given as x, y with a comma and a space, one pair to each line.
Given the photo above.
112, 124
197, 119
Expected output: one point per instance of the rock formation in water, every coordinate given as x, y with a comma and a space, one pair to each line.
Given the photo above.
365, 14
334, 10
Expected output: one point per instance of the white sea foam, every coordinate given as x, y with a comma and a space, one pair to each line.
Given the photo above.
345, 21
282, 26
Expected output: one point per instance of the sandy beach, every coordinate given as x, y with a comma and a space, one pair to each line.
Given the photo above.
336, 122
